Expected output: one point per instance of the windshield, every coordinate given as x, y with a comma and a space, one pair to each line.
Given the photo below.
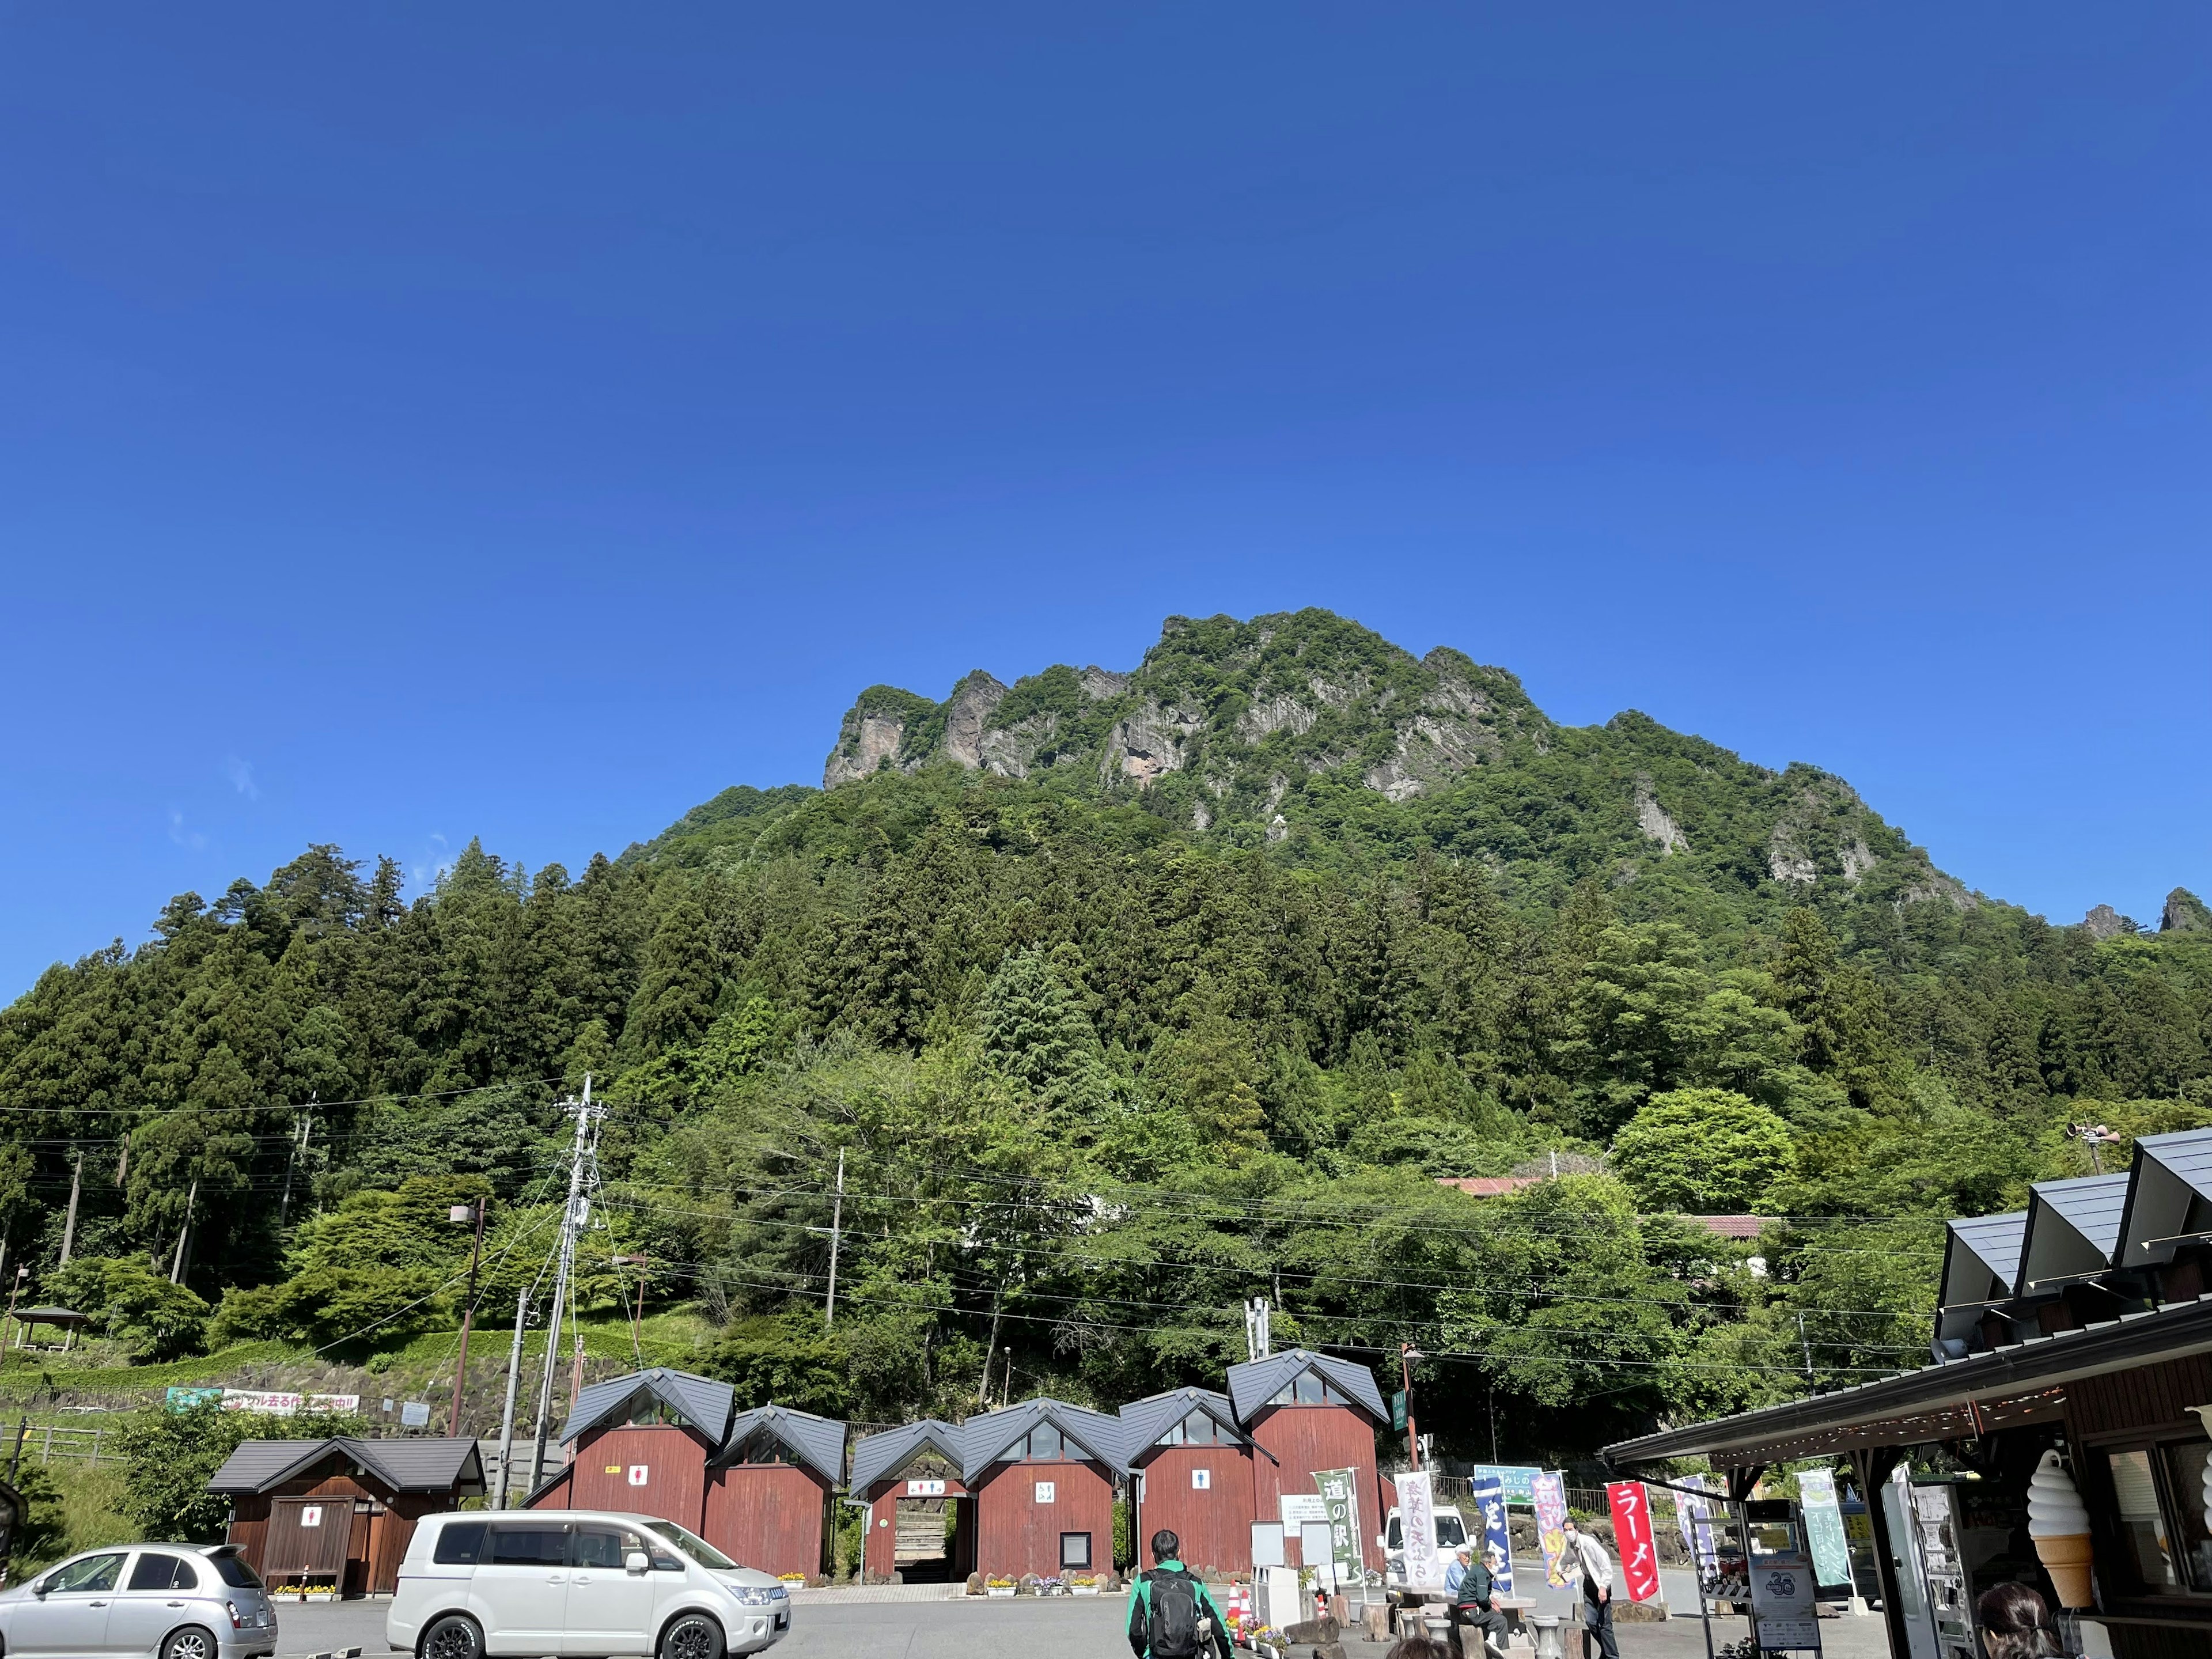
1449, 1534
692, 1544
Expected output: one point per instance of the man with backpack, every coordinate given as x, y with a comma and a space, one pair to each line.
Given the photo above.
1172, 1616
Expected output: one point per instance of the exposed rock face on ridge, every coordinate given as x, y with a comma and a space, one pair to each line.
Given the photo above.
2184, 913
2104, 922
1249, 731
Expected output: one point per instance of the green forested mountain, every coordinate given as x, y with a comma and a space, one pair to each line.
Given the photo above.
1126, 998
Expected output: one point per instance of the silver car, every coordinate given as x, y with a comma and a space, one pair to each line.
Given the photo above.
165, 1600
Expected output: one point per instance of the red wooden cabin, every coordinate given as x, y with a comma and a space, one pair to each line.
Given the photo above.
1044, 1475
1191, 1468
1303, 1411
769, 1490
909, 1478
639, 1444
340, 1512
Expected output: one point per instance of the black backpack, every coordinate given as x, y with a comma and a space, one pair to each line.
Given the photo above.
1174, 1630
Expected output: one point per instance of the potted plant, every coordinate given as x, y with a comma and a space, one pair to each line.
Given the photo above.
996, 1584
1083, 1583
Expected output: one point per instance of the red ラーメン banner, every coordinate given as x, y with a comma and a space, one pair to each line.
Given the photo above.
1632, 1537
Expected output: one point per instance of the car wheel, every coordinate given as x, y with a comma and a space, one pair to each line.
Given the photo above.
452, 1637
693, 1636
190, 1643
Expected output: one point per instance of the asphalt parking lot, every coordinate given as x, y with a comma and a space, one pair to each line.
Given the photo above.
1021, 1629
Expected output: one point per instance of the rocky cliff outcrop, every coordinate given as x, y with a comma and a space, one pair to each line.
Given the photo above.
2104, 922
2184, 913
1255, 730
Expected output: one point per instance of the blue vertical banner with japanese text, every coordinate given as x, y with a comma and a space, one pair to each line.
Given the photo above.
1488, 1498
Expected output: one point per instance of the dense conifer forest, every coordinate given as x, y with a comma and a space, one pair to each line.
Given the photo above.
1124, 998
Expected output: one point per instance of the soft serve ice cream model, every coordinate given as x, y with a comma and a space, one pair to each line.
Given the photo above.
2059, 1523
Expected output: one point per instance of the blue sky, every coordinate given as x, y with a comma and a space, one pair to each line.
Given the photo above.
525, 420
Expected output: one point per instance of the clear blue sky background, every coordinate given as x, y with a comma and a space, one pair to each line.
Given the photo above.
421, 421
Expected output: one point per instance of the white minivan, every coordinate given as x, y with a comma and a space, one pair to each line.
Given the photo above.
530, 1583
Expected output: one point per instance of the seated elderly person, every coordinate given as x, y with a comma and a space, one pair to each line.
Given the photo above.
1469, 1586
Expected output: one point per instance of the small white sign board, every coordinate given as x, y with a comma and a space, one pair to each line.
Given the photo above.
925, 1489
1782, 1599
1266, 1544
1300, 1507
312, 1515
1201, 1479
637, 1475
1047, 1491
1317, 1549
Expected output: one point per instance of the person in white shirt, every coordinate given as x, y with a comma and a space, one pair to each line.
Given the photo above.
1587, 1564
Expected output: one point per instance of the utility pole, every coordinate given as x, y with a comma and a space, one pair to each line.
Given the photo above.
580, 1159
15, 1289
462, 1214
507, 1413
836, 1228
1258, 1345
1407, 1356
69, 1226
185, 1235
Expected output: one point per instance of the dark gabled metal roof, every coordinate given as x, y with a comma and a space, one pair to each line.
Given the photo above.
2086, 1211
876, 1456
698, 1400
2172, 1172
1256, 1381
1143, 1421
405, 1463
819, 1442
1949, 1400
982, 1438
1994, 1241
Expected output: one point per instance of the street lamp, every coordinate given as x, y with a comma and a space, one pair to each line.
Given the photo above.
462, 1215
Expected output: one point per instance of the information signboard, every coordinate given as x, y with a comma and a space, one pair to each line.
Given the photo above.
1783, 1603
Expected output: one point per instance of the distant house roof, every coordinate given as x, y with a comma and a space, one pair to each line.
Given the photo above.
876, 1456
1143, 1421
1488, 1186
818, 1443
701, 1401
1981, 1262
1097, 1435
405, 1463
2073, 1229
1255, 1384
1731, 1226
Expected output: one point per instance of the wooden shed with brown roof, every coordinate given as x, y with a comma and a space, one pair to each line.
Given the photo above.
339, 1512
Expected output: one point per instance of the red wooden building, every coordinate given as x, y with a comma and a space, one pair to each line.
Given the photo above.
769, 1490
640, 1444
921, 1518
340, 1512
1043, 1474
756, 1484
1303, 1411
1190, 1466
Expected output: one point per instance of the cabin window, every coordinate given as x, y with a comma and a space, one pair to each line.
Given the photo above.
1075, 1550
764, 1448
1197, 1430
2158, 1494
1308, 1389
1043, 1444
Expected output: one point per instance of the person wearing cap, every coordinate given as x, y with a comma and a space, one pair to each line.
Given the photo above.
1470, 1600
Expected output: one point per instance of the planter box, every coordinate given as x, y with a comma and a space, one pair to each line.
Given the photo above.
996, 1590
1083, 1589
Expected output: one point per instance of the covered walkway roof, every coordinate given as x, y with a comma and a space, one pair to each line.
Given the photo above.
2020, 1382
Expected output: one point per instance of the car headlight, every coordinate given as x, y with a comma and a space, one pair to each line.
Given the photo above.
753, 1595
